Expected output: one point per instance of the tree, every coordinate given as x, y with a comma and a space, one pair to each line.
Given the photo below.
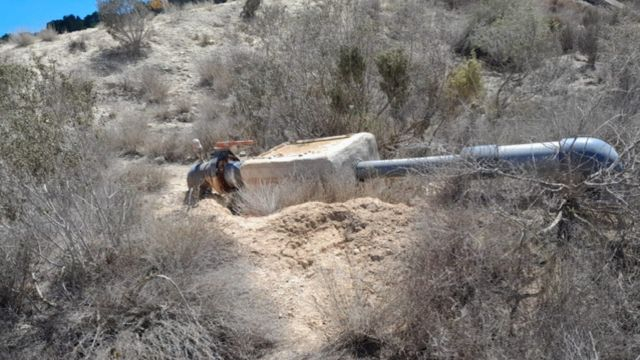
126, 22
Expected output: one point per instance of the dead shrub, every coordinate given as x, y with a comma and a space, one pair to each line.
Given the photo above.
152, 86
129, 137
355, 325
317, 75
216, 73
589, 37
77, 45
172, 147
45, 113
471, 274
249, 9
48, 34
145, 177
22, 39
126, 22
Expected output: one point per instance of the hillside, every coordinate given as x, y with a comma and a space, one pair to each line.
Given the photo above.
104, 259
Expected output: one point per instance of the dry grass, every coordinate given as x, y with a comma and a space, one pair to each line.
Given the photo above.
355, 323
22, 39
141, 280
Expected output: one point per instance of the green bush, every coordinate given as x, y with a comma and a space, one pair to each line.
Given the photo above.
393, 66
347, 94
465, 82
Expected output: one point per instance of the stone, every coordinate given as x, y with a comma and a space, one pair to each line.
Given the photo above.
321, 159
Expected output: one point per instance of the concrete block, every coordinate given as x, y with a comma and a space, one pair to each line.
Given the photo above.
321, 159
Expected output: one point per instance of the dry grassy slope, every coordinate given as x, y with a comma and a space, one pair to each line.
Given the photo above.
289, 251
174, 51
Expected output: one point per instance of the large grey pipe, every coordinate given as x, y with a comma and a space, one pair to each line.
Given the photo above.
584, 154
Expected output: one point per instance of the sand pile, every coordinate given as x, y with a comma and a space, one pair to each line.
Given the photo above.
292, 251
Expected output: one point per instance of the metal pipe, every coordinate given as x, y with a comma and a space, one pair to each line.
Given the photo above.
583, 154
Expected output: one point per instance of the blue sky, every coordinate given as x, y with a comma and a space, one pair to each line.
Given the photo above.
33, 15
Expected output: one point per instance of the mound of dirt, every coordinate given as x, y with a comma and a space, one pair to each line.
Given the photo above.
292, 251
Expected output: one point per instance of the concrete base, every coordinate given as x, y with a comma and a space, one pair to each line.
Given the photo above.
320, 159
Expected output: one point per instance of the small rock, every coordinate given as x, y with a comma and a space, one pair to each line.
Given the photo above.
160, 160
376, 257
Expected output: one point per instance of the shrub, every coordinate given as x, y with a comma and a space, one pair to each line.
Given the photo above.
22, 39
348, 96
157, 6
588, 38
465, 81
393, 67
508, 35
145, 177
48, 34
79, 44
173, 147
128, 137
126, 22
44, 112
152, 86
465, 297
216, 73
249, 9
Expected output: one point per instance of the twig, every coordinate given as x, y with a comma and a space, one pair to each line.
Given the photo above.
39, 292
555, 223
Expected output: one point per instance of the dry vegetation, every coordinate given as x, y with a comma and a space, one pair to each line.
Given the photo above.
515, 267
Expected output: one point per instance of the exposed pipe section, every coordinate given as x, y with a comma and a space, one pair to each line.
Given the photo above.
583, 154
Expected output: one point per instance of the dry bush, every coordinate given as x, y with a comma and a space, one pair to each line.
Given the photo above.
183, 105
355, 324
126, 22
508, 35
494, 274
84, 273
249, 9
144, 177
160, 291
152, 86
79, 44
174, 147
214, 124
216, 73
129, 137
316, 74
589, 37
48, 34
22, 39
44, 114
